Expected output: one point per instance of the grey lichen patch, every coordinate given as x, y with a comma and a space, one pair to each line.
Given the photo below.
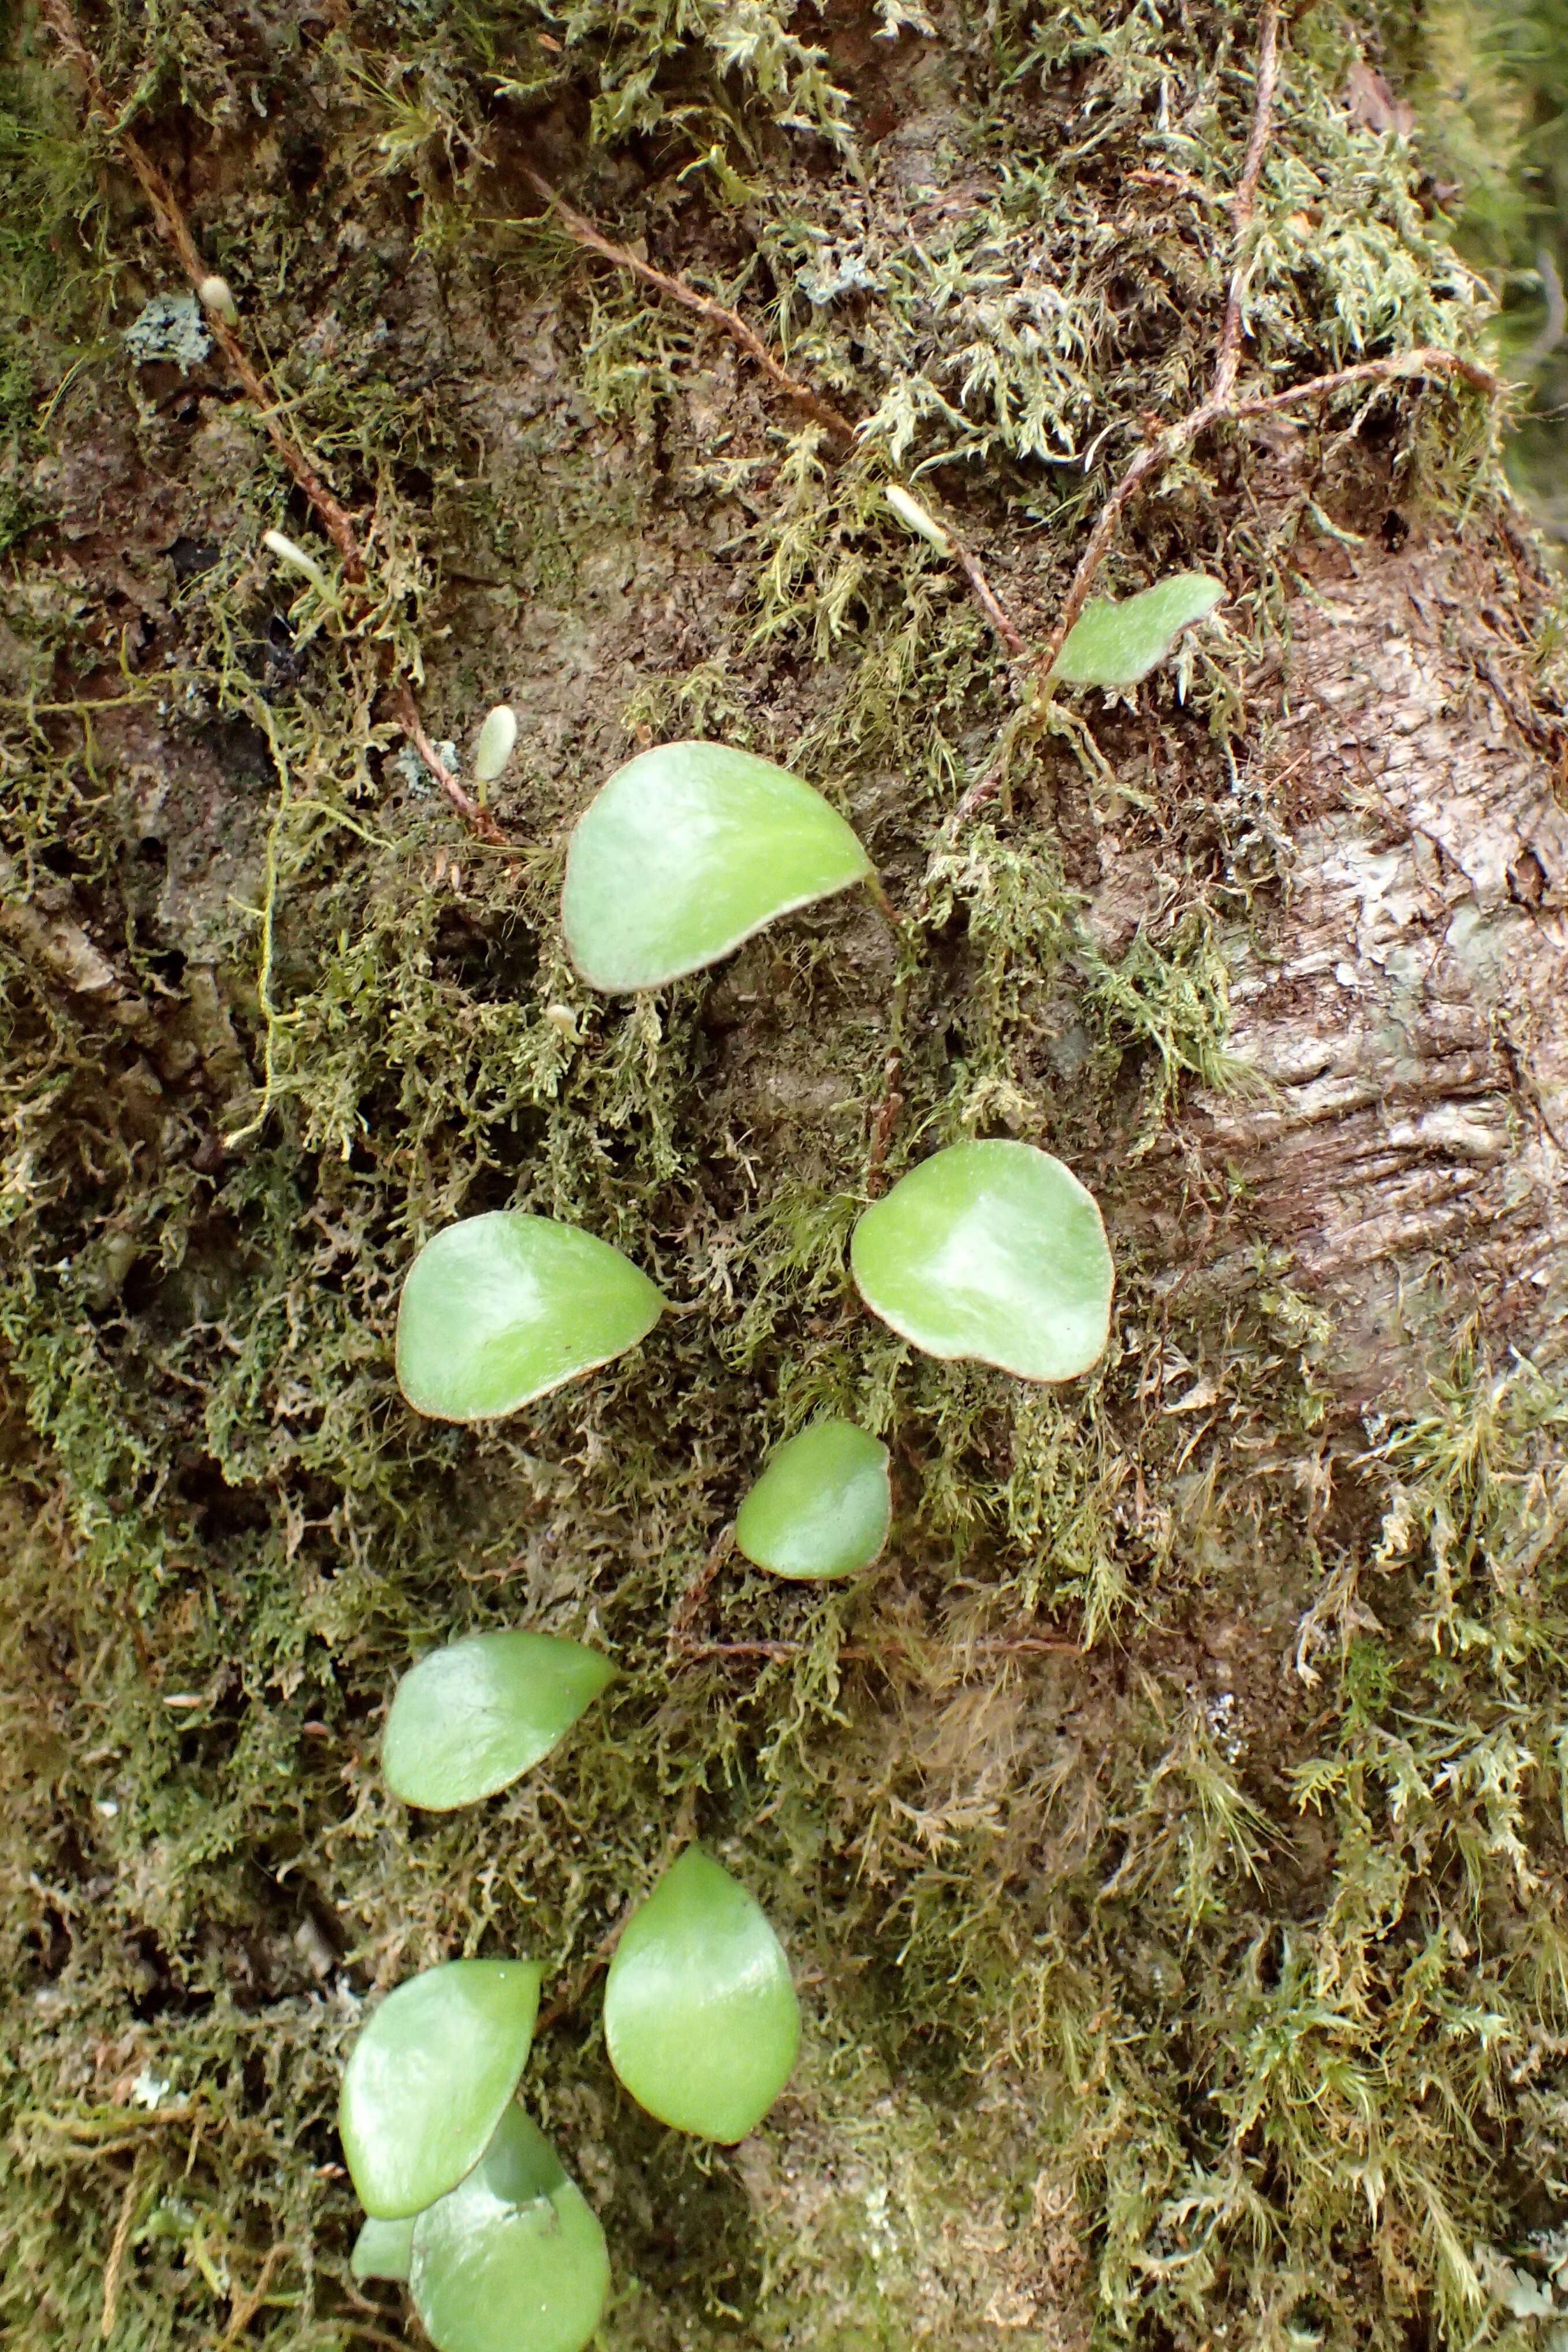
169, 326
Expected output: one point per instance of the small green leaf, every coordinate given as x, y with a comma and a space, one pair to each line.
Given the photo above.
429, 2078
1118, 644
498, 1309
514, 2259
993, 1251
470, 1717
700, 2015
686, 852
494, 748
821, 1507
384, 2250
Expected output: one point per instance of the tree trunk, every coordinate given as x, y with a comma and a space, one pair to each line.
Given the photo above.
1168, 1834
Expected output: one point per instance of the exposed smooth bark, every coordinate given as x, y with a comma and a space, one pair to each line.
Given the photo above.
1406, 1003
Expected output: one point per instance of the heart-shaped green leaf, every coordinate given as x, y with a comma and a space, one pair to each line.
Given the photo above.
498, 1309
821, 1507
994, 1251
514, 2259
1117, 643
470, 1717
384, 2250
688, 850
699, 2012
429, 2078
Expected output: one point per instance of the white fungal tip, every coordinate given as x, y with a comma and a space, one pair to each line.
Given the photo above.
911, 512
562, 1019
214, 295
494, 748
296, 559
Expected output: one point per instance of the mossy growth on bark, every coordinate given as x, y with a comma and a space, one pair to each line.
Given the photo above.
1168, 1837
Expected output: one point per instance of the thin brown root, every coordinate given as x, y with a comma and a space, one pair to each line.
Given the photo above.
1426, 361
1221, 402
675, 289
409, 720
119, 2244
334, 516
1007, 1646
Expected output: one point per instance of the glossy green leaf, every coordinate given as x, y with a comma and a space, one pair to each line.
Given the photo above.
428, 2079
994, 1251
688, 850
700, 2015
514, 2259
384, 2250
498, 1309
821, 1507
1116, 643
470, 1717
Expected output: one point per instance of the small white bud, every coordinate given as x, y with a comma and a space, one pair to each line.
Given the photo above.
911, 512
213, 294
563, 1019
494, 748
296, 559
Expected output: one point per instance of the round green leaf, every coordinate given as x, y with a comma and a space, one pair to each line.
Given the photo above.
699, 2012
994, 1251
470, 1717
514, 2259
498, 1309
384, 2250
1116, 643
821, 1507
429, 2078
688, 850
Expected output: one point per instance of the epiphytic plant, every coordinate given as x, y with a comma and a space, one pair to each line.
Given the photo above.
431, 2077
511, 2260
466, 2202
993, 1251
472, 1717
821, 1507
700, 2015
498, 1309
1117, 642
688, 850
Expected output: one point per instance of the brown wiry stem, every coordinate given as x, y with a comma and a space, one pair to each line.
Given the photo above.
985, 595
1003, 1646
696, 1591
175, 230
1221, 401
1228, 358
1155, 454
121, 2241
810, 402
334, 516
675, 289
887, 1118
1429, 361
408, 718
